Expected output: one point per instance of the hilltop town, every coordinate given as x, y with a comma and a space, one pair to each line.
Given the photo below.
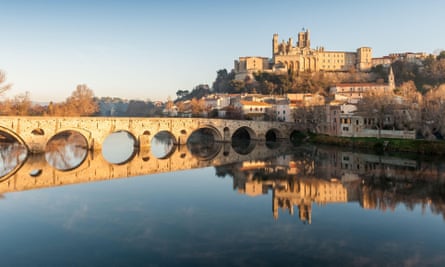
338, 93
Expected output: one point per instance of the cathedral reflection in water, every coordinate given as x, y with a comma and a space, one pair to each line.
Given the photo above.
326, 176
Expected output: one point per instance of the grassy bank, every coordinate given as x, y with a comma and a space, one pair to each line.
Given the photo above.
424, 147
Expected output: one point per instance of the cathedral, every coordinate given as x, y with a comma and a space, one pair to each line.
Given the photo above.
300, 57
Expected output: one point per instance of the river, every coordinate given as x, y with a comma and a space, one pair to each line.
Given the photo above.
210, 204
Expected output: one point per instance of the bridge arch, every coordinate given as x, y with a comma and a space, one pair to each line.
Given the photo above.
163, 144
244, 132
273, 135
13, 156
205, 142
66, 150
84, 133
122, 140
207, 129
14, 135
242, 140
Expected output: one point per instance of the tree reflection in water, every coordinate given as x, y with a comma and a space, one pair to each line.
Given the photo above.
162, 145
12, 155
66, 150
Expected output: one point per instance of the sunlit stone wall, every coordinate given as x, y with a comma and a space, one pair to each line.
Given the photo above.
35, 132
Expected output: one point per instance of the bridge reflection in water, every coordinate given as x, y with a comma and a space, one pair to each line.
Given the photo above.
53, 169
296, 178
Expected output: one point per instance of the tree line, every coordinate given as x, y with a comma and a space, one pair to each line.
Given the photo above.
81, 103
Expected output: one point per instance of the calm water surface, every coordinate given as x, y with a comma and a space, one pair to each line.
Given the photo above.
276, 206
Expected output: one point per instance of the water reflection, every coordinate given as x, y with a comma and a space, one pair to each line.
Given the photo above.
162, 144
296, 179
243, 146
321, 177
65, 151
202, 144
119, 147
12, 155
273, 144
188, 214
242, 141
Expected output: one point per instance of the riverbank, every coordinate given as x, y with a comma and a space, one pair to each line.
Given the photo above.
424, 147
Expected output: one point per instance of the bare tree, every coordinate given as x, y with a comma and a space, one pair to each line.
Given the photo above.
312, 114
21, 105
380, 106
407, 114
3, 87
198, 106
6, 107
81, 102
433, 112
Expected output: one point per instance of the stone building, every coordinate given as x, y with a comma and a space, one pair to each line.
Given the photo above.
255, 110
300, 57
354, 92
248, 65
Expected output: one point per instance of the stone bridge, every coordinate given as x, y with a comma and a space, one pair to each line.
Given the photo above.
35, 132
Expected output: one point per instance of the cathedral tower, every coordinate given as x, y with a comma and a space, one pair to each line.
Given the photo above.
275, 44
304, 40
391, 80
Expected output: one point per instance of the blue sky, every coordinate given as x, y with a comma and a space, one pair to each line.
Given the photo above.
151, 49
